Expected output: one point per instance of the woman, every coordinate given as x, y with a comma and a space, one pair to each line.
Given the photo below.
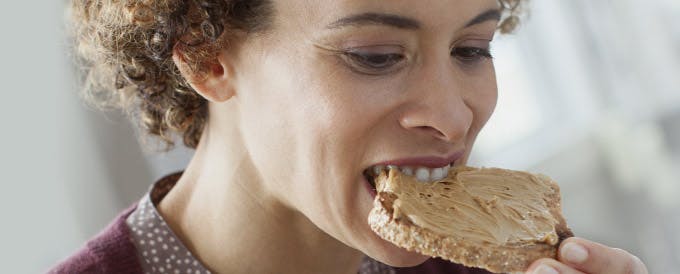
287, 102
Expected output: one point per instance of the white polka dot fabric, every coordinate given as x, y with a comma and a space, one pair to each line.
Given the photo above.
161, 251
159, 248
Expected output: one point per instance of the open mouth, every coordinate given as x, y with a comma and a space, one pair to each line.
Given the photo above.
370, 177
422, 174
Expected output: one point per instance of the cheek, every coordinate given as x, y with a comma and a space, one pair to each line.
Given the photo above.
483, 97
482, 102
270, 105
488, 101
298, 124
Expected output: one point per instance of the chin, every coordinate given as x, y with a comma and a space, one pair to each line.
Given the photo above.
414, 260
398, 257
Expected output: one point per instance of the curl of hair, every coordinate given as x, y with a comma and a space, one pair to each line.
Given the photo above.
125, 50
512, 11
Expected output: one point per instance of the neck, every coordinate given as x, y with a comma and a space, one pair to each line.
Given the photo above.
227, 218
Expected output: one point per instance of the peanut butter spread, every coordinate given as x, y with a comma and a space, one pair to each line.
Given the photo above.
488, 206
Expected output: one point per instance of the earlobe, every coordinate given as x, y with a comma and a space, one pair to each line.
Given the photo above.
213, 81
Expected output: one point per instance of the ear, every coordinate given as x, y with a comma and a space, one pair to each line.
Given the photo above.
214, 79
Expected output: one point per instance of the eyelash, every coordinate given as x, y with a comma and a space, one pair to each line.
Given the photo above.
478, 54
360, 61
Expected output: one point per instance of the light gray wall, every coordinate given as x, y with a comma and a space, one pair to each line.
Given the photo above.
59, 160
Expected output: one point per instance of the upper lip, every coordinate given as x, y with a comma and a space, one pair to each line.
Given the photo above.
425, 161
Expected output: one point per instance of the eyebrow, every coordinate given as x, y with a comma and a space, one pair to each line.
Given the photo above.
371, 18
489, 15
401, 22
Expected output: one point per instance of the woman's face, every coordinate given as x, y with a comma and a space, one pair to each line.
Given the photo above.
337, 87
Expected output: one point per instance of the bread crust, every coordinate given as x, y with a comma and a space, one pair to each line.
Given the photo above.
495, 258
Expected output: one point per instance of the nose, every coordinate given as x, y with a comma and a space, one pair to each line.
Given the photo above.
438, 107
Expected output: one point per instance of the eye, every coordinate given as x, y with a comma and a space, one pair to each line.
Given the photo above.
471, 54
373, 63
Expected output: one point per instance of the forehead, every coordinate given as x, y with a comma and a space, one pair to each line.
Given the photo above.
306, 14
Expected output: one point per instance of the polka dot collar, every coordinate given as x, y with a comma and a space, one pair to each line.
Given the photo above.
159, 249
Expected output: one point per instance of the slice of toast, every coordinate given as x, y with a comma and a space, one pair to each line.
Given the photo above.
497, 219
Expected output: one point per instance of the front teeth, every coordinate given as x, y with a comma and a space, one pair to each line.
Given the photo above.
422, 174
377, 170
407, 170
437, 174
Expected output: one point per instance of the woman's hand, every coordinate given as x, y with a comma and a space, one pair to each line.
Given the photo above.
576, 256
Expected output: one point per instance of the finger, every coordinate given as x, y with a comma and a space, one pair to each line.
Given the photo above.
550, 266
595, 258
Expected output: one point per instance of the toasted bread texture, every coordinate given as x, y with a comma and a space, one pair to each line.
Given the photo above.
496, 219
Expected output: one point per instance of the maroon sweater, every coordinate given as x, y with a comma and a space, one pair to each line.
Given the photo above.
112, 251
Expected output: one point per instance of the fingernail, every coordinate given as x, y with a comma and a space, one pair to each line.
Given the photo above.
574, 253
545, 269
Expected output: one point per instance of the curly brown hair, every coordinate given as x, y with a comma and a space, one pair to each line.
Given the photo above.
125, 49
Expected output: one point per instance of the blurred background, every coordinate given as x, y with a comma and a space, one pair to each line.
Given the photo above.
589, 94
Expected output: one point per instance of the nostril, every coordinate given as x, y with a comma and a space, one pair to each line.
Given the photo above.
433, 131
449, 124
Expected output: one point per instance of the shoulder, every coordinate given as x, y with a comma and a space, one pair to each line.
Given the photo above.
111, 251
